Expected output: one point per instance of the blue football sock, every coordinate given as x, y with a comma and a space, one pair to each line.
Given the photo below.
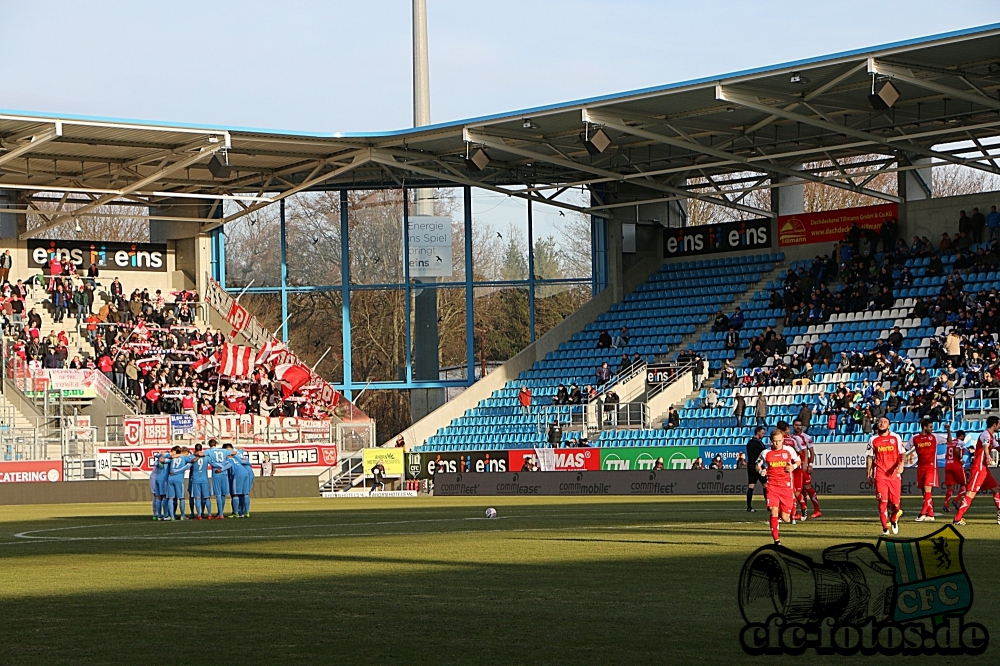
156, 507
206, 506
246, 503
180, 505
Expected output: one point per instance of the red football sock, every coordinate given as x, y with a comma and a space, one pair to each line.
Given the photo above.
947, 497
928, 509
996, 499
774, 527
883, 509
962, 507
814, 499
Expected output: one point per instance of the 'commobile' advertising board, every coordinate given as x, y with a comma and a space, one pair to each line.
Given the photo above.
663, 482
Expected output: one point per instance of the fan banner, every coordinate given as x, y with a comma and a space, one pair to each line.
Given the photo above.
142, 458
231, 428
830, 226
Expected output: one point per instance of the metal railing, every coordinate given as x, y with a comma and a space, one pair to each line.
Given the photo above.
980, 401
593, 416
346, 474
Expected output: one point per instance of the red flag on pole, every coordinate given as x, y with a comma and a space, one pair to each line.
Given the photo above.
237, 360
292, 377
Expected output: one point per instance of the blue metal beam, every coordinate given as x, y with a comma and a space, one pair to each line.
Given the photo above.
408, 306
345, 295
284, 278
470, 315
531, 275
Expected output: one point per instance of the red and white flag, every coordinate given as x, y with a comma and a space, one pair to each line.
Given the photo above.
292, 377
269, 353
141, 332
236, 360
205, 362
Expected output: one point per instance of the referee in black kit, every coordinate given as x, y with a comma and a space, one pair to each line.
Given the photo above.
754, 448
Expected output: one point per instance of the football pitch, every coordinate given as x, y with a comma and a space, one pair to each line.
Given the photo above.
418, 581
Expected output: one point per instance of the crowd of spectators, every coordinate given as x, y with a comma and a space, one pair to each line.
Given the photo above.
149, 348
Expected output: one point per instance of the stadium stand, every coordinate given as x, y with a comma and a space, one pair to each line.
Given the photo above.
152, 350
909, 333
658, 314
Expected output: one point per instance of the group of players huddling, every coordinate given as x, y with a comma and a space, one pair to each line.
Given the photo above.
231, 475
787, 469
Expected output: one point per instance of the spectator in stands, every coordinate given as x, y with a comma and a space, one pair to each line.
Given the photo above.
740, 409
625, 364
761, 410
895, 338
636, 359
117, 293
776, 302
711, 398
825, 353
604, 341
804, 376
697, 464
889, 231
575, 397
993, 224
562, 396
603, 374
60, 303
716, 462
721, 322
737, 320
589, 393
964, 223
728, 375
555, 434
732, 339
524, 398
945, 244
978, 221
611, 401
673, 418
953, 348
622, 338
6, 263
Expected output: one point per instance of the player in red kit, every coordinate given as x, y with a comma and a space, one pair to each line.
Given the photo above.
925, 444
777, 465
980, 477
954, 470
803, 475
790, 442
885, 467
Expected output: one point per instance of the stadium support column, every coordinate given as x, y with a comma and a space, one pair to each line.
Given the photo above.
11, 225
788, 199
913, 185
425, 311
192, 248
423, 401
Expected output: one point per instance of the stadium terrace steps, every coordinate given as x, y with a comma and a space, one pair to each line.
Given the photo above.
661, 314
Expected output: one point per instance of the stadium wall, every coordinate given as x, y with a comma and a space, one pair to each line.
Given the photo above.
933, 217
177, 276
85, 492
418, 433
662, 482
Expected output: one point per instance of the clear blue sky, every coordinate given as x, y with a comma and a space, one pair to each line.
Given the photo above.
345, 66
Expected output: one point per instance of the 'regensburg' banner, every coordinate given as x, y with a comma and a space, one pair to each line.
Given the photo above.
830, 226
141, 458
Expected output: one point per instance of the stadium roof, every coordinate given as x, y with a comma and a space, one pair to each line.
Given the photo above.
763, 122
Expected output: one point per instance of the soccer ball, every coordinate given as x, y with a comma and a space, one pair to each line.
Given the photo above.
491, 513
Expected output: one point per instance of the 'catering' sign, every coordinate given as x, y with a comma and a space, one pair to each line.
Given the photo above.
716, 238
111, 256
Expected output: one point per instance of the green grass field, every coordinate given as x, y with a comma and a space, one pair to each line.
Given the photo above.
422, 581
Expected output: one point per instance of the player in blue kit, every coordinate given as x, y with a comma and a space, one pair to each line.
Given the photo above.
179, 463
219, 461
241, 483
161, 473
154, 474
198, 485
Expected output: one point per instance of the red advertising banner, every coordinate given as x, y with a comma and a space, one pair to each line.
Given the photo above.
566, 460
831, 225
156, 430
33, 471
141, 458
